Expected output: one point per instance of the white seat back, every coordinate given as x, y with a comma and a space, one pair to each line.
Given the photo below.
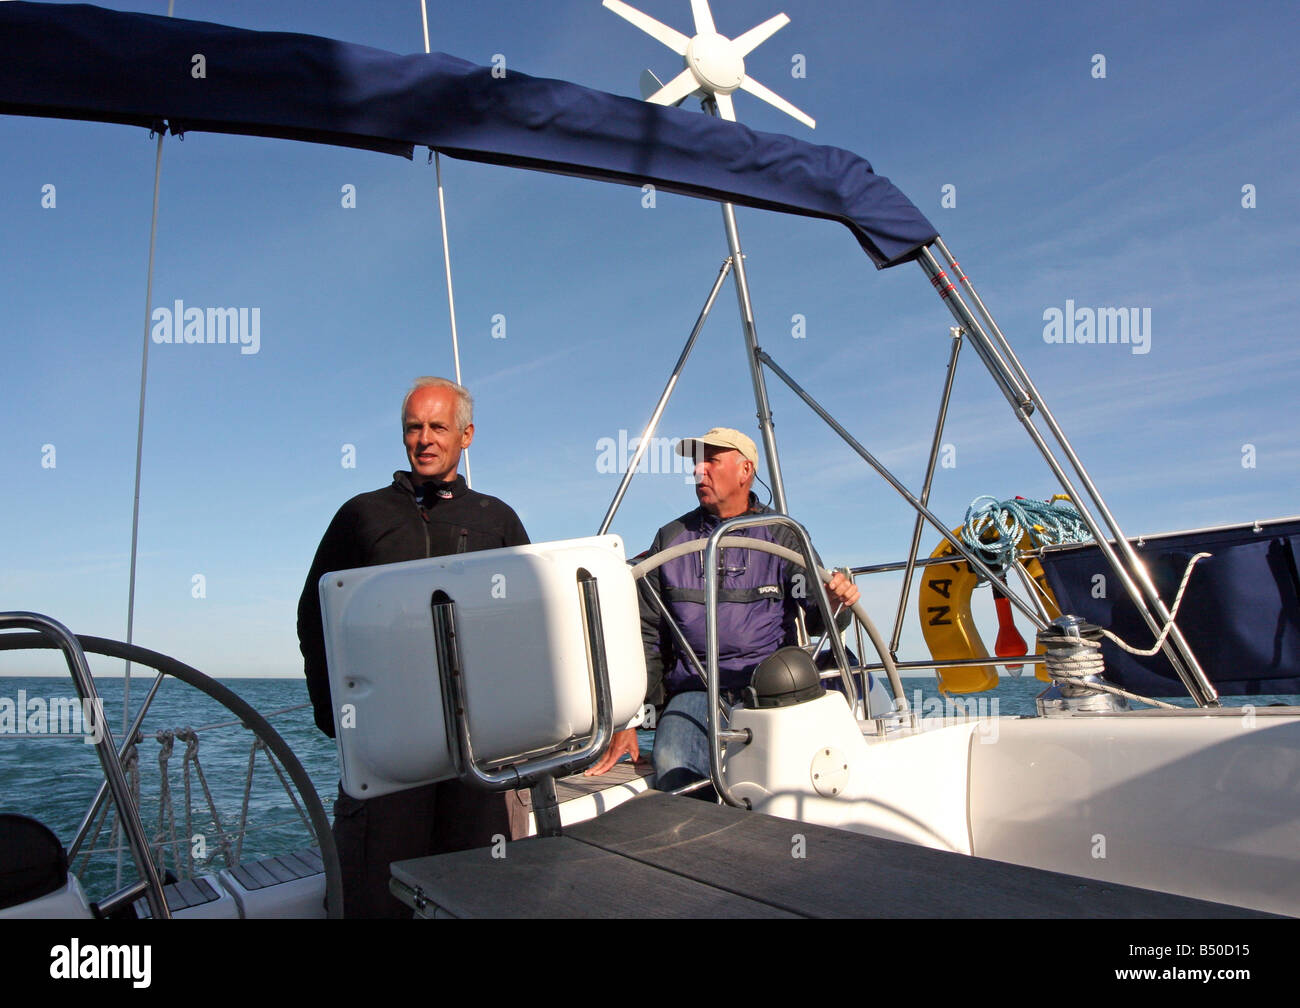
522, 644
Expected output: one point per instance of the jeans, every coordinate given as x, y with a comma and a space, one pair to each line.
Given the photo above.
681, 752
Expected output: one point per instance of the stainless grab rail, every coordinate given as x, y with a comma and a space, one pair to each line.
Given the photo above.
539, 770
105, 749
711, 631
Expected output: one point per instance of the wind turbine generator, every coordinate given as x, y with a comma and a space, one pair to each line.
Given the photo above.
714, 70
715, 64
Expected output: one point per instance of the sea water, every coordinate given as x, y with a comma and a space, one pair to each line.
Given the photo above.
55, 779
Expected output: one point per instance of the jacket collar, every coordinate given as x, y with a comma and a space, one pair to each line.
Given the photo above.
709, 520
427, 491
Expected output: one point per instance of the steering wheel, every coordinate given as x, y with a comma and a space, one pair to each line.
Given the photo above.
254, 721
644, 567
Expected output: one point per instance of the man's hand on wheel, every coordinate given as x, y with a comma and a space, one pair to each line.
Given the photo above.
842, 590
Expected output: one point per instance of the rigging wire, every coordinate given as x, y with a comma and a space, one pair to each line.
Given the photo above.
446, 248
139, 432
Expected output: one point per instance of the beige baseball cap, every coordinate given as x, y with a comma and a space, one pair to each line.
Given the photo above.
721, 437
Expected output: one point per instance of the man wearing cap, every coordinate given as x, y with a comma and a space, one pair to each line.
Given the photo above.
759, 595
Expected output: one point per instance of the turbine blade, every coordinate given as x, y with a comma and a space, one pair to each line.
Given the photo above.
776, 101
649, 83
755, 37
703, 18
670, 37
675, 90
726, 108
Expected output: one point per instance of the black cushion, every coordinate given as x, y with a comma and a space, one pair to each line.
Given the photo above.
32, 861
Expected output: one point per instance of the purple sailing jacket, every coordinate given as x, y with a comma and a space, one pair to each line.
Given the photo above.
758, 596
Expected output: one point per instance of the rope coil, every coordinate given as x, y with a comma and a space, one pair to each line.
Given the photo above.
994, 528
1080, 658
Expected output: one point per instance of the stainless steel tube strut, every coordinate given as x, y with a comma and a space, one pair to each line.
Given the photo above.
935, 444
752, 351
962, 549
648, 433
1132, 573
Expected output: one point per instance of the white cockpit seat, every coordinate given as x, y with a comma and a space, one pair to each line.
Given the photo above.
522, 640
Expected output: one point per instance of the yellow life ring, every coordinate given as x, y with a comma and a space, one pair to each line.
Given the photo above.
944, 607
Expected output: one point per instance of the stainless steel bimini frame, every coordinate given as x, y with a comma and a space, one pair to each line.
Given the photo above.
665, 396
1025, 400
1024, 397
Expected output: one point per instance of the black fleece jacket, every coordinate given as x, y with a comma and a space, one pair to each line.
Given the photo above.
389, 526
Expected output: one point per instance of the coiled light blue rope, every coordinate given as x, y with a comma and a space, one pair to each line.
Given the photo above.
1046, 523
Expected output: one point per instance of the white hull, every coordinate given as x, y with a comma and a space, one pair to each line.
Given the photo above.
1185, 803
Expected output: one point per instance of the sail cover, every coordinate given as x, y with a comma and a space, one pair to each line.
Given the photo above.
1241, 612
81, 62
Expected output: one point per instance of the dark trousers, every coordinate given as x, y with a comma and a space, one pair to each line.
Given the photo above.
434, 819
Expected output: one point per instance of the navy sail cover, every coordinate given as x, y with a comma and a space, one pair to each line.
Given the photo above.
1240, 613
138, 69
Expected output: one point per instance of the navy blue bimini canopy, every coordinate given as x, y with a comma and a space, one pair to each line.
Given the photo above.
80, 62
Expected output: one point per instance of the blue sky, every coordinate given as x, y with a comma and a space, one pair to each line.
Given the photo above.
1117, 191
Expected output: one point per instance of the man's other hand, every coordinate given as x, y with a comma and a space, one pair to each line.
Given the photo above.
623, 742
842, 590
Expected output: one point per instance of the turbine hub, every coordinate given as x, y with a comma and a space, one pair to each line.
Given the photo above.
715, 63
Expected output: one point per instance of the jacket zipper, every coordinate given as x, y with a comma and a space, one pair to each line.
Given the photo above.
428, 546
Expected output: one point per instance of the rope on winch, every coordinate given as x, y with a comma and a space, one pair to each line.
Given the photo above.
1080, 658
1084, 658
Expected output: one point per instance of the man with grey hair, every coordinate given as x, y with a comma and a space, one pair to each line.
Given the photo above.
464, 401
426, 512
760, 596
